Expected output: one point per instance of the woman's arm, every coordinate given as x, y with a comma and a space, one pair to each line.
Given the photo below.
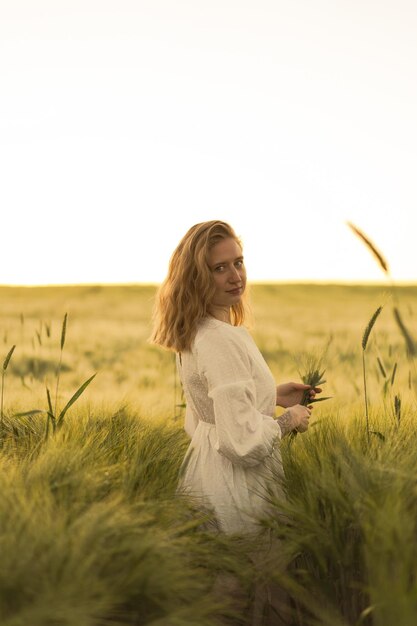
244, 435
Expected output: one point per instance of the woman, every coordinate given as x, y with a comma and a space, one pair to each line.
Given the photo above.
234, 459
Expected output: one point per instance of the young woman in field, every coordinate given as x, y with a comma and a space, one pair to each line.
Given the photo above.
234, 459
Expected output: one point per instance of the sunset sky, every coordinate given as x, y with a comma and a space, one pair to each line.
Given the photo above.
123, 123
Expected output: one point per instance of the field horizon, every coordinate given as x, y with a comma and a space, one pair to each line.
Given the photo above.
318, 282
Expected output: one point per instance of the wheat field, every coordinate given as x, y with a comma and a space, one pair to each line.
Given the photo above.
91, 531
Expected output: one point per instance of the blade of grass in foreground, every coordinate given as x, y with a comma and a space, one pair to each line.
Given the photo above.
58, 373
365, 340
73, 399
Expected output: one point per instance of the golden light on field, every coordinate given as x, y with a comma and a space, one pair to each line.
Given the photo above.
124, 123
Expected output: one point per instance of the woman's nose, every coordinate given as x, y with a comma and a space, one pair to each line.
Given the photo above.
235, 275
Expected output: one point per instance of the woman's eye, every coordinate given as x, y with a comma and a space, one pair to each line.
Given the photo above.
219, 268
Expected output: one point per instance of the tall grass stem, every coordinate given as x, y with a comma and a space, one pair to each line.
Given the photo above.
58, 374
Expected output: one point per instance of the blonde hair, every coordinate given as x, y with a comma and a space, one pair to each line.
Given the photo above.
185, 296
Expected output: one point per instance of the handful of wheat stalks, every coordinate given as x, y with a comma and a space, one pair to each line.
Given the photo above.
311, 373
313, 376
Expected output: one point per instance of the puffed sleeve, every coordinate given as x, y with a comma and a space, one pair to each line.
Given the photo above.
244, 434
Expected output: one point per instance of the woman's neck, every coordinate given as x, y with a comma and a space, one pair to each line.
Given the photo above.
221, 313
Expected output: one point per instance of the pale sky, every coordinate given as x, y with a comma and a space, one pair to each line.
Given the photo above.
123, 123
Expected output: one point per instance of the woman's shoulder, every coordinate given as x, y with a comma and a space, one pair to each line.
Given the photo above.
213, 324
215, 332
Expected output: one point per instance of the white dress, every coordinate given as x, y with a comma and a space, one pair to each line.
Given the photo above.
233, 460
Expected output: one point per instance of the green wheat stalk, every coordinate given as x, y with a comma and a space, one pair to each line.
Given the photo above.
365, 340
397, 408
50, 416
58, 373
71, 401
410, 344
53, 419
311, 372
3, 375
381, 367
394, 371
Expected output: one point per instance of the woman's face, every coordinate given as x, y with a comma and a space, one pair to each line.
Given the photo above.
229, 274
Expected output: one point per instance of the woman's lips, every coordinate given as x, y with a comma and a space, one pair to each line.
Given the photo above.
236, 291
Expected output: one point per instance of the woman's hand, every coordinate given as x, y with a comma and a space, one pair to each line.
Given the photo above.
290, 394
296, 418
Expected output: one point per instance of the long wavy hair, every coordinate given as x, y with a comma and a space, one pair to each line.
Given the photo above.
185, 296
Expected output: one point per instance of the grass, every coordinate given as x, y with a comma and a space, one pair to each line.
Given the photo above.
352, 510
365, 340
91, 532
